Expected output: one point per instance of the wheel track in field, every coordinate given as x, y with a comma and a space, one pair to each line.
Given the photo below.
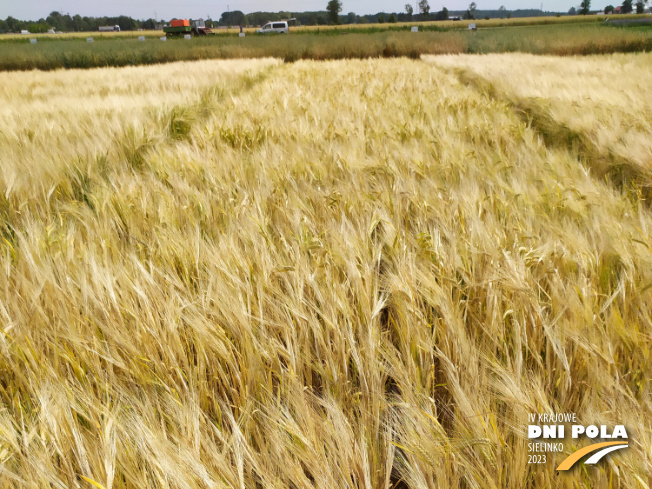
131, 149
176, 124
622, 173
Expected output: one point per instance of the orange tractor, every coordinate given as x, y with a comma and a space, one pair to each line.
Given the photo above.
181, 27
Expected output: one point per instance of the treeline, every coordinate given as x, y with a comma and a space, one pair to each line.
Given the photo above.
444, 14
237, 17
504, 13
76, 23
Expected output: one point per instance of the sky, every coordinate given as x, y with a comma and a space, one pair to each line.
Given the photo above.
167, 9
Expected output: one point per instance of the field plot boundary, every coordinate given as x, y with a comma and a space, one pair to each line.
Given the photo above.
621, 172
555, 39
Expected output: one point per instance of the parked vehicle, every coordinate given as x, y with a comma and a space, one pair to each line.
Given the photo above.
109, 28
280, 27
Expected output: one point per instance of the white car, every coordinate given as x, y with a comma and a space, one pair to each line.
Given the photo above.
280, 27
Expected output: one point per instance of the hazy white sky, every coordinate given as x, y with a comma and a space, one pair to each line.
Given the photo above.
166, 9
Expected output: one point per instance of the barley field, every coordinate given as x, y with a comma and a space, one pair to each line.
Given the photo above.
585, 104
351, 273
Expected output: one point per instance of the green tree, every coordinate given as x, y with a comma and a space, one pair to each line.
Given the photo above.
502, 11
381, 18
470, 13
585, 7
442, 14
424, 8
409, 10
333, 8
640, 6
233, 17
608, 9
392, 19
627, 7
13, 25
149, 24
54, 19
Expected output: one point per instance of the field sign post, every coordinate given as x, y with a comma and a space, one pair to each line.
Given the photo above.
164, 38
187, 37
89, 39
414, 29
472, 27
141, 38
33, 41
241, 34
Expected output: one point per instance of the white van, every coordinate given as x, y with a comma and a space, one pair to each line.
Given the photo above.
281, 27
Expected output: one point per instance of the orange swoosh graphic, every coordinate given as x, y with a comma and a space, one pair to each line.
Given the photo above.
574, 457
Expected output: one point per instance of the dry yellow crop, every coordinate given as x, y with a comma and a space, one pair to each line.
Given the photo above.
317, 274
53, 120
600, 102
